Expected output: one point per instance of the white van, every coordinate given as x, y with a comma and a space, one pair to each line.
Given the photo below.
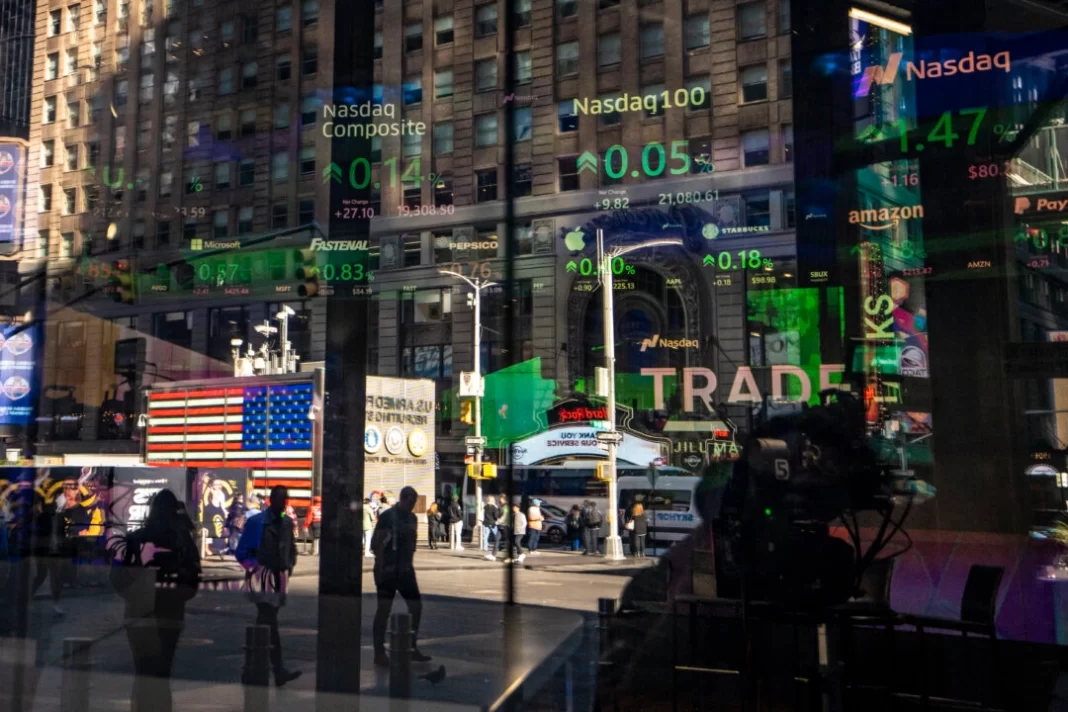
669, 507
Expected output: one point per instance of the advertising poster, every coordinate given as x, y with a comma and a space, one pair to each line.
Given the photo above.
12, 161
214, 494
17, 387
910, 324
398, 440
134, 488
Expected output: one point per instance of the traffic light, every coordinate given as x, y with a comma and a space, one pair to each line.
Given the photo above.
467, 412
603, 473
489, 471
307, 271
125, 290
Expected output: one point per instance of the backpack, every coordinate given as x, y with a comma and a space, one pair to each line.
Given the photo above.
594, 518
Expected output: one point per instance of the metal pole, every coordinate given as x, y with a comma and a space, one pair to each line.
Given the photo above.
613, 545
283, 334
256, 674
400, 656
74, 693
476, 531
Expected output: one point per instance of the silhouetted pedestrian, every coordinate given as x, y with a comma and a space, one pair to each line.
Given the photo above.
394, 547
433, 525
574, 527
638, 526
268, 552
456, 524
591, 527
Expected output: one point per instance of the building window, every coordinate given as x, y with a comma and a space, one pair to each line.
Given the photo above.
49, 115
696, 31
74, 16
413, 90
309, 110
443, 191
652, 41
378, 45
786, 79
486, 185
45, 199
52, 66
284, 19
244, 221
411, 144
281, 116
283, 68
226, 81
55, 22
248, 122
567, 169
226, 33
443, 83
789, 209
443, 33
566, 8
754, 83
279, 216
784, 17
523, 68
70, 61
522, 13
220, 223
248, 75
307, 161
246, 172
72, 157
755, 148
166, 184
567, 58
309, 12
309, 61
222, 175
250, 29
654, 91
788, 143
609, 116
752, 21
100, 12
148, 83
486, 75
443, 138
306, 211
486, 130
224, 127
608, 50
524, 124
413, 198
225, 324
48, 154
486, 20
521, 180
413, 37
567, 118
376, 149
189, 229
699, 87
66, 244
757, 209
70, 201
280, 167
163, 232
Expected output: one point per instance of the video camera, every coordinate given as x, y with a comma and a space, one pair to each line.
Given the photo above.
798, 475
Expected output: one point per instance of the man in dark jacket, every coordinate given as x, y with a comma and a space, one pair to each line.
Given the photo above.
490, 514
268, 552
591, 527
456, 524
394, 545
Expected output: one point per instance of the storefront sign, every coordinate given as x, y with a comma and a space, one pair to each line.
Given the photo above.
580, 441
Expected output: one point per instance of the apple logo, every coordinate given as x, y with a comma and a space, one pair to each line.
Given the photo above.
575, 240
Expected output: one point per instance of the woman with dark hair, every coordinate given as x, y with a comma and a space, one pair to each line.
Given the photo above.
156, 570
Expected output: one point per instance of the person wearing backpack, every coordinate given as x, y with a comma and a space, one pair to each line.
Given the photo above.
156, 591
519, 530
574, 527
268, 552
535, 520
591, 527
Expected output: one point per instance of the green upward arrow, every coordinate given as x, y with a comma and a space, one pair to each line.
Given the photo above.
587, 162
708, 260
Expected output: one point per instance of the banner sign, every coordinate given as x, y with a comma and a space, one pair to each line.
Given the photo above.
17, 383
12, 157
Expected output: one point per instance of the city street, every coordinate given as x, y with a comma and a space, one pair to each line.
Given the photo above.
462, 628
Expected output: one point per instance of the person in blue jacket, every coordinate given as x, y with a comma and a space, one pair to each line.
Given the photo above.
268, 552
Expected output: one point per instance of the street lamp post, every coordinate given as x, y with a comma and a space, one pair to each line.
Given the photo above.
613, 545
475, 301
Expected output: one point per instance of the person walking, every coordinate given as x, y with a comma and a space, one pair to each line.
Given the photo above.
535, 521
456, 524
504, 528
591, 527
268, 552
638, 526
235, 522
369, 519
155, 593
394, 572
574, 527
313, 524
519, 530
490, 533
47, 539
433, 525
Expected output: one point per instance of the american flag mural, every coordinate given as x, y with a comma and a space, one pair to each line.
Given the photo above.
262, 428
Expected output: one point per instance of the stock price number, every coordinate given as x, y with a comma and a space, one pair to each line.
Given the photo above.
688, 197
355, 213
988, 170
191, 212
341, 273
612, 204
475, 270
406, 211
222, 274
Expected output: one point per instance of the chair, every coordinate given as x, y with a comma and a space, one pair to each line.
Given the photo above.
978, 609
871, 610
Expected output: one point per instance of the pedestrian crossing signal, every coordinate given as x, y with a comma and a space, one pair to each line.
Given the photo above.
489, 471
467, 412
603, 473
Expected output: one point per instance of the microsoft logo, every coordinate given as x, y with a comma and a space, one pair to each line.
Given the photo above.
197, 244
